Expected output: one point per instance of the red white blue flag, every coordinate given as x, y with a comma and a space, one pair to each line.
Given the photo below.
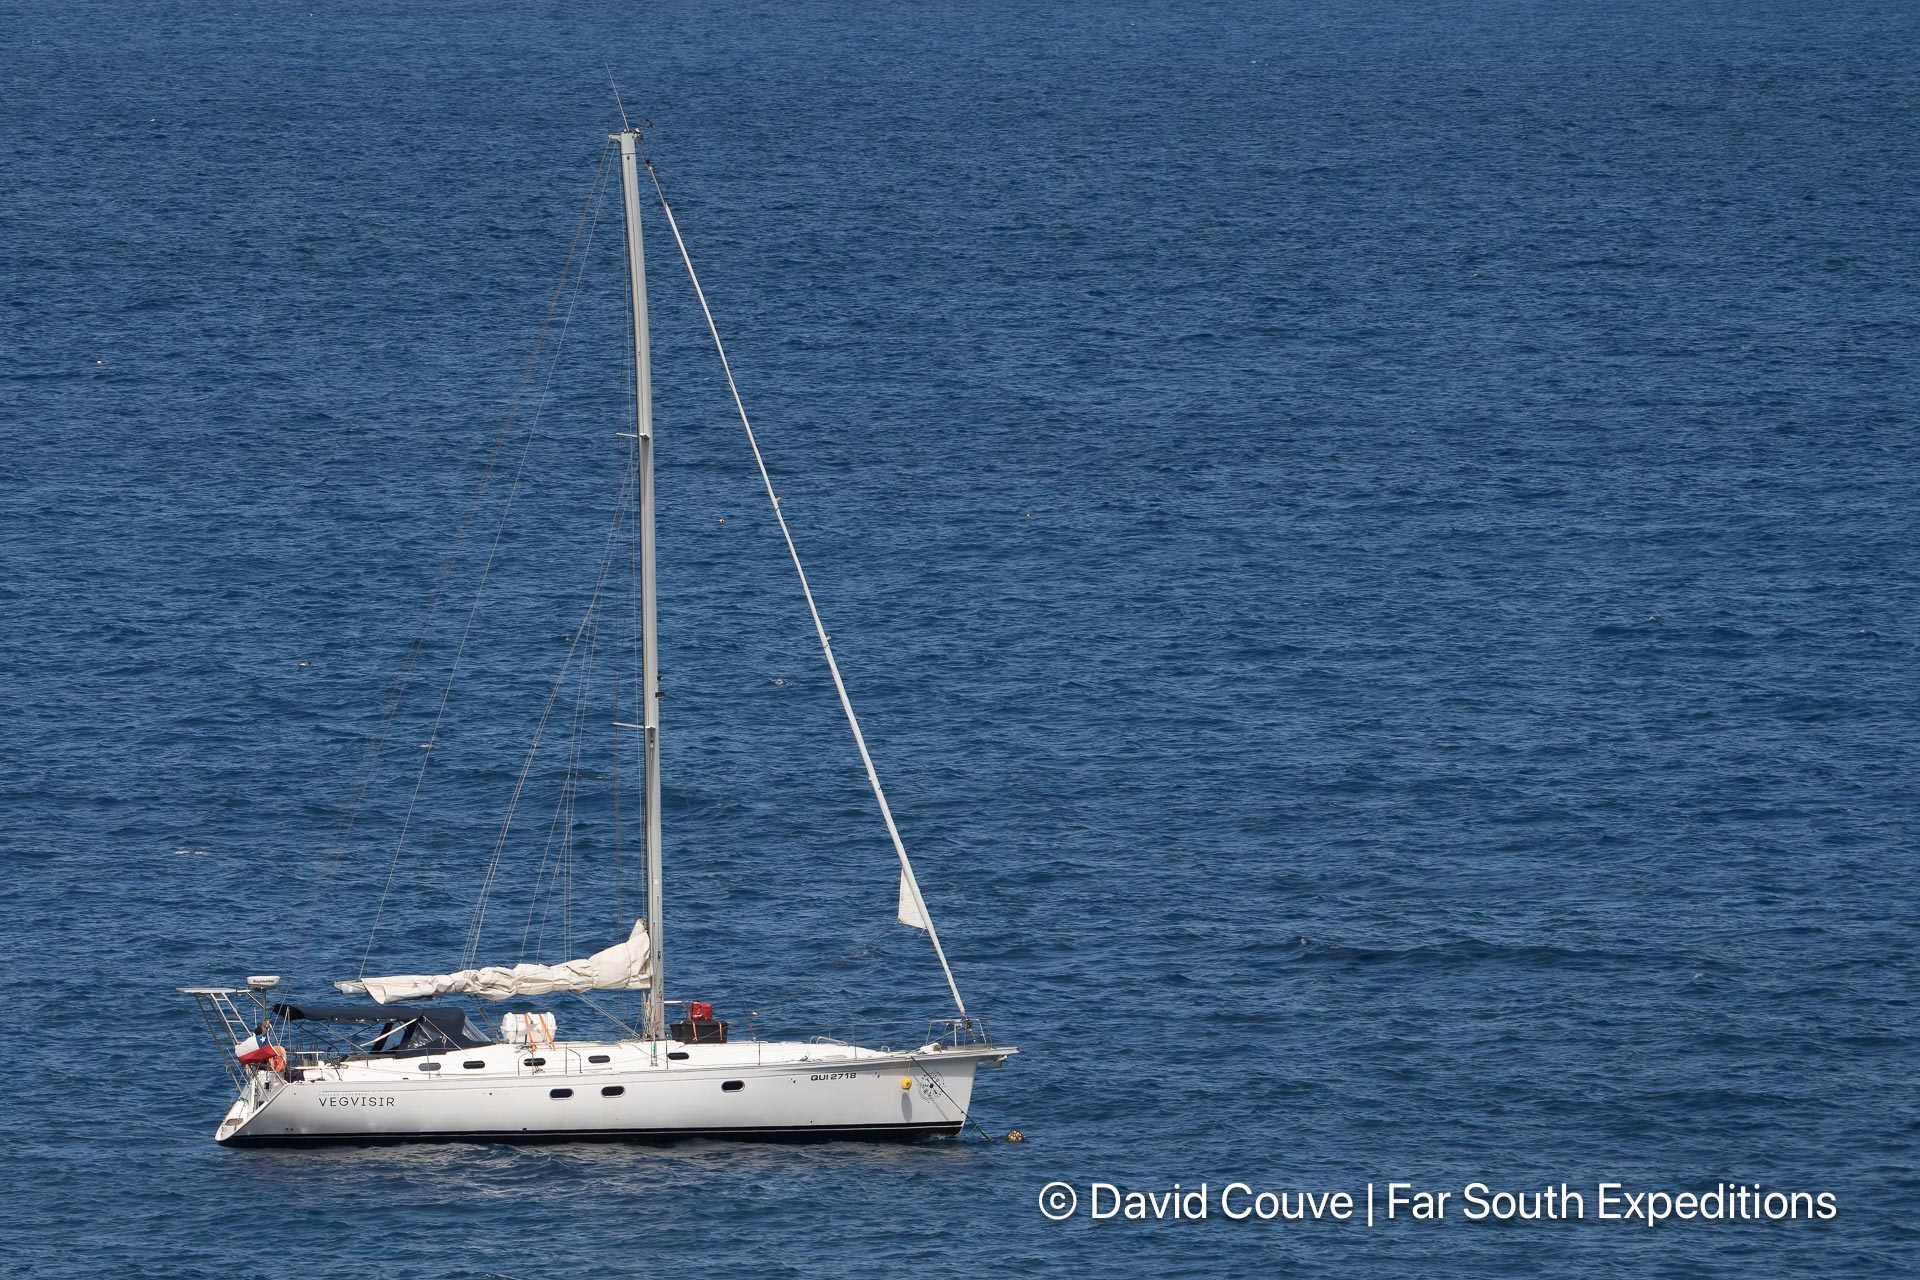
255, 1048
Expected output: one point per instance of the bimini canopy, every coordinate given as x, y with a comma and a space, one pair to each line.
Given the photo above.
358, 1012
451, 1026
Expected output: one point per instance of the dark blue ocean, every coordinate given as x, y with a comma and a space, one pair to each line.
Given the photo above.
1375, 545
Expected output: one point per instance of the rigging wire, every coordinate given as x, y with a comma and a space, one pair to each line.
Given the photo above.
547, 860
698, 846
562, 824
793, 993
819, 627
478, 922
592, 218
396, 696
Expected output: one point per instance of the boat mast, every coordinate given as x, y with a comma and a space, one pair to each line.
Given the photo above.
655, 1023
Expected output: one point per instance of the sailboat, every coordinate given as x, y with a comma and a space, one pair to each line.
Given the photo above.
396, 1065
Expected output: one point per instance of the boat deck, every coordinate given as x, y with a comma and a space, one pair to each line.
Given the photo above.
580, 1057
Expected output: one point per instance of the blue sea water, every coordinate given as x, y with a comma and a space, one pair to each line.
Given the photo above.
1375, 544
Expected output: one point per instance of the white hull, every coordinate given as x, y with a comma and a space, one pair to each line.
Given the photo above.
744, 1090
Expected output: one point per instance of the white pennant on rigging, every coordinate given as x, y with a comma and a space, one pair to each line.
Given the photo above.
913, 910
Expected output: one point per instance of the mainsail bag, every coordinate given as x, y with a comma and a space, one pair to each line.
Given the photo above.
625, 965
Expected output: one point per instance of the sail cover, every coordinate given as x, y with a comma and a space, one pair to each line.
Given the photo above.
913, 910
621, 966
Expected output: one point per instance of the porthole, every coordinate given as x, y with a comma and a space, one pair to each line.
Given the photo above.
599, 1057
559, 1093
534, 1062
473, 1066
732, 1086
429, 1066
613, 1091
678, 1055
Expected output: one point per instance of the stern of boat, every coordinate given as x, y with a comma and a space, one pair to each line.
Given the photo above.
233, 1015
231, 1123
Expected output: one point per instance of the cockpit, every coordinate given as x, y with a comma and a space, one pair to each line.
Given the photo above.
390, 1030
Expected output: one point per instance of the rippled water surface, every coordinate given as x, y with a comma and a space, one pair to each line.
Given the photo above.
1376, 545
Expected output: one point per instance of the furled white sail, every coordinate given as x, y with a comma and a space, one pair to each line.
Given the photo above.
913, 910
624, 965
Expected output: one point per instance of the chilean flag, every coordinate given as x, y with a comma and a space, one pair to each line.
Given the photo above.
254, 1048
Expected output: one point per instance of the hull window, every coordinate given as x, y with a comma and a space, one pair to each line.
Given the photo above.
733, 1086
613, 1091
559, 1093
